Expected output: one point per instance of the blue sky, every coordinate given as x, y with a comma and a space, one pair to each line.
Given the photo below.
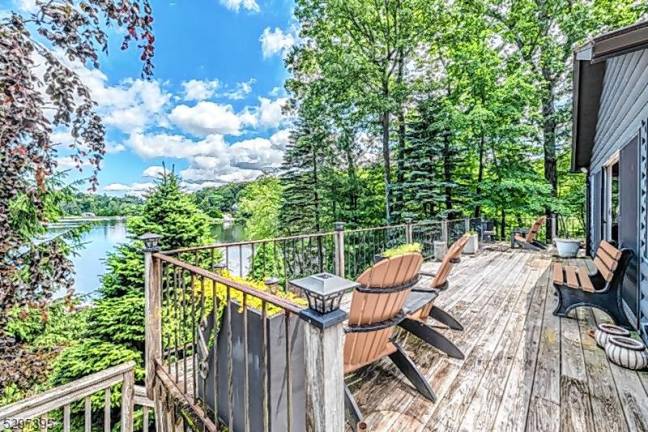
213, 108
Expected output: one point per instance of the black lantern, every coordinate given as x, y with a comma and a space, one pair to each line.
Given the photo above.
324, 291
151, 242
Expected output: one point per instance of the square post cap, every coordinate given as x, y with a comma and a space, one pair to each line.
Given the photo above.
324, 292
151, 242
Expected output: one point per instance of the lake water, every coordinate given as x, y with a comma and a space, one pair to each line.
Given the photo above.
104, 236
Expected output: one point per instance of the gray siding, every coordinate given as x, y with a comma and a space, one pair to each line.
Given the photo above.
624, 104
623, 112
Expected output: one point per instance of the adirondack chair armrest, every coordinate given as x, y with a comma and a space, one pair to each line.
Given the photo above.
417, 300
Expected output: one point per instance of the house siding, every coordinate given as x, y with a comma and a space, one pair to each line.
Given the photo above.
622, 115
624, 104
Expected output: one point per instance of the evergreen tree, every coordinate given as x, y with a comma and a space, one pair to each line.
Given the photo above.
167, 211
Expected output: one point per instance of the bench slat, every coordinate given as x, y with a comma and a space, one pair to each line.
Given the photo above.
603, 269
609, 262
572, 279
611, 250
585, 282
558, 274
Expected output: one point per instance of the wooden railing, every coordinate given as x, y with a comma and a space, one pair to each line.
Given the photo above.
37, 410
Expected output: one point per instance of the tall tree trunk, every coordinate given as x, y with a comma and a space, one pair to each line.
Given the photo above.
315, 189
353, 182
447, 171
549, 141
400, 174
480, 174
385, 147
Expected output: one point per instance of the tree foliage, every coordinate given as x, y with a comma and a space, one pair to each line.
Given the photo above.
39, 93
167, 211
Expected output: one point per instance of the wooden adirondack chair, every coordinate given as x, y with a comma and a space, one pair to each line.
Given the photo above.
419, 305
376, 310
602, 290
530, 241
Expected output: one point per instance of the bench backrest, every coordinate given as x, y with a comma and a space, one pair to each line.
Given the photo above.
607, 260
376, 304
450, 257
535, 228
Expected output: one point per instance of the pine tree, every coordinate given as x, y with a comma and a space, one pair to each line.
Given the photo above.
167, 211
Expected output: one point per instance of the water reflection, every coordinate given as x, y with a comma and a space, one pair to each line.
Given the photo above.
104, 236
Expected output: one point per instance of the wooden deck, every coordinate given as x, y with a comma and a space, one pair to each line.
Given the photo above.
525, 369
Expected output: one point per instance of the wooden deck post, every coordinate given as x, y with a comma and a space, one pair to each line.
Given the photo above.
408, 230
323, 351
338, 239
553, 223
127, 401
153, 301
467, 225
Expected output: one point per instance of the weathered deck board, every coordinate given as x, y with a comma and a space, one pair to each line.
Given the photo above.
469, 307
544, 405
525, 369
632, 393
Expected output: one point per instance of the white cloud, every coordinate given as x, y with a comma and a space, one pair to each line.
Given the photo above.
206, 118
67, 162
130, 105
236, 5
280, 139
176, 146
112, 147
138, 189
153, 171
270, 112
241, 91
27, 5
275, 41
199, 90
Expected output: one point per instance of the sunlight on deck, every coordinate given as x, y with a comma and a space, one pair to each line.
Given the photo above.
525, 369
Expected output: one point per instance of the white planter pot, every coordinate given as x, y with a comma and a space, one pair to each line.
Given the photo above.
604, 331
472, 245
567, 248
626, 352
440, 249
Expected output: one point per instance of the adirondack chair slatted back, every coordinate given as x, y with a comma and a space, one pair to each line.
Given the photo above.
374, 305
447, 263
441, 277
535, 228
607, 260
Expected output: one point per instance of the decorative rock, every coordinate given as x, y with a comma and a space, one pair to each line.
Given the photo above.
627, 352
604, 331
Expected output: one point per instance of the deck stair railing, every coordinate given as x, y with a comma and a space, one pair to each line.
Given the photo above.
43, 410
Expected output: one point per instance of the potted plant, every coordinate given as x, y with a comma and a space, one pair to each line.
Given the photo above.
472, 245
567, 248
398, 250
216, 365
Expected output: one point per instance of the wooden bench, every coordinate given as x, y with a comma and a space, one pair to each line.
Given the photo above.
530, 241
576, 287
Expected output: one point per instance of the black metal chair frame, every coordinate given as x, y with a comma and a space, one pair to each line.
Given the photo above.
416, 301
607, 296
400, 359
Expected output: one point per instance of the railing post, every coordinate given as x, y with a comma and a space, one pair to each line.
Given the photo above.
408, 230
554, 226
338, 239
444, 229
127, 401
466, 225
324, 352
153, 302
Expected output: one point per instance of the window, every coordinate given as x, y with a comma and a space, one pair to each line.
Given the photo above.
610, 200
